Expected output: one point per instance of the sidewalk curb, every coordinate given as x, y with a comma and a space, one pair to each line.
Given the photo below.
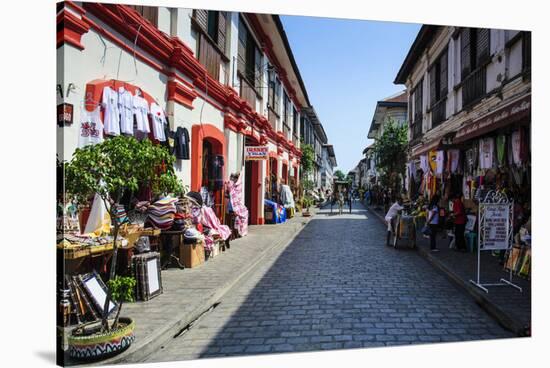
505, 319
154, 341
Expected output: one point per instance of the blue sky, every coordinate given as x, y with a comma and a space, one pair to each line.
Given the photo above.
348, 65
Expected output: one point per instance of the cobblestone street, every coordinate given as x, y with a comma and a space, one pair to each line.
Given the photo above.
335, 286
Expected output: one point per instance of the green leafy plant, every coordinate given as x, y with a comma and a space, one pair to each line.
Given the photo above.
339, 175
391, 153
113, 167
122, 290
307, 160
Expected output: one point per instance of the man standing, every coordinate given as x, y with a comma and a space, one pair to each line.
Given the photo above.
392, 213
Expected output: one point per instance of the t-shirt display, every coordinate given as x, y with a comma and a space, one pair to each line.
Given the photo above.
126, 108
112, 113
159, 120
91, 127
486, 153
141, 111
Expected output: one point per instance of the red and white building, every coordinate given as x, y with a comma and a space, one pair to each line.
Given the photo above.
229, 78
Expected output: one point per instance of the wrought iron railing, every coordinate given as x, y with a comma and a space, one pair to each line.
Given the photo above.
474, 86
439, 110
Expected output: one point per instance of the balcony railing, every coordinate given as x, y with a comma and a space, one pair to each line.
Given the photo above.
439, 110
474, 86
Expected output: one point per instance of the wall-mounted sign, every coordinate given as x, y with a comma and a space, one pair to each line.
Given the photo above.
256, 153
510, 113
64, 114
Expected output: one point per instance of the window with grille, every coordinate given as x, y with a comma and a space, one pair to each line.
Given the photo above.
249, 56
475, 53
438, 74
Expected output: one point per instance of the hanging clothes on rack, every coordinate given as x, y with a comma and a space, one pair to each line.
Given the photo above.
159, 121
501, 150
424, 163
486, 153
182, 143
109, 102
126, 108
516, 147
439, 162
141, 112
91, 127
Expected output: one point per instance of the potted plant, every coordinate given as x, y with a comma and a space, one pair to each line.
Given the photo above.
110, 169
307, 202
88, 341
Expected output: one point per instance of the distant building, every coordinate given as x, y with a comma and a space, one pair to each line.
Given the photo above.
392, 108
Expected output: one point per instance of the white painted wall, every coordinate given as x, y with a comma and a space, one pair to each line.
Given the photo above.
164, 19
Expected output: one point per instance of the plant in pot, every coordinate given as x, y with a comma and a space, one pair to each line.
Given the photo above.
307, 202
110, 169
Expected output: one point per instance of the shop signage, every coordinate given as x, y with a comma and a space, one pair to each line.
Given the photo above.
256, 153
497, 119
495, 226
64, 114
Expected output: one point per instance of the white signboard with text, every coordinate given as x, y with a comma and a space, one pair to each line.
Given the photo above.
495, 226
256, 152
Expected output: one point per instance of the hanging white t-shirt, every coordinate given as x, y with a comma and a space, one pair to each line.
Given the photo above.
439, 160
91, 127
486, 153
141, 111
454, 159
159, 120
126, 107
112, 114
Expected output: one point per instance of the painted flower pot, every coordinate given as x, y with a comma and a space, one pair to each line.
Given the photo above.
87, 343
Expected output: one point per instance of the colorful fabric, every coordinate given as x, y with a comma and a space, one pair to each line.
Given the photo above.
161, 213
237, 205
486, 153
501, 145
432, 160
209, 219
439, 162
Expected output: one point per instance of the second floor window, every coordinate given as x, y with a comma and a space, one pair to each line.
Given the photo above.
526, 51
417, 93
148, 12
274, 92
294, 122
475, 49
249, 56
286, 110
438, 79
213, 24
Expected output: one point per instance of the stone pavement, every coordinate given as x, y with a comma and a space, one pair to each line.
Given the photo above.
190, 292
508, 305
335, 286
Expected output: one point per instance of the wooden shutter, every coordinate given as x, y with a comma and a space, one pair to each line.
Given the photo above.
222, 30
526, 50
201, 16
270, 88
443, 74
257, 67
465, 53
243, 35
433, 84
277, 98
482, 45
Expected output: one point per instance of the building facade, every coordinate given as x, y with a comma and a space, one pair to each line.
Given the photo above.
327, 167
467, 88
229, 79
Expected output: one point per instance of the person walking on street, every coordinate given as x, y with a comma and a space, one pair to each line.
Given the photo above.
459, 215
392, 213
340, 202
433, 221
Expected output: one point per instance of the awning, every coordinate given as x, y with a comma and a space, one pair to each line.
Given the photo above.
511, 113
424, 148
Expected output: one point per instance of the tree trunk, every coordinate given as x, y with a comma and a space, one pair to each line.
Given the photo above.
105, 316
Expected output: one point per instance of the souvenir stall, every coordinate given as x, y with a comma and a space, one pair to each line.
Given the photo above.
499, 161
